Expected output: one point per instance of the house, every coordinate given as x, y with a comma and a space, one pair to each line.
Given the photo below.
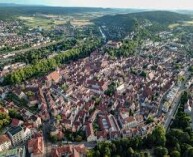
90, 133
27, 133
36, 147
121, 88
97, 86
112, 44
102, 135
5, 142
16, 122
16, 135
69, 151
53, 77
36, 120
127, 121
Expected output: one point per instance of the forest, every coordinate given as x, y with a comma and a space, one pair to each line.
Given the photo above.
117, 26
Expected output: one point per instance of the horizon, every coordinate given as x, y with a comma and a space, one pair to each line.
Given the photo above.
122, 4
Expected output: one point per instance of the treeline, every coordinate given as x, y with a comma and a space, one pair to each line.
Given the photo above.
180, 137
177, 142
45, 65
131, 147
34, 56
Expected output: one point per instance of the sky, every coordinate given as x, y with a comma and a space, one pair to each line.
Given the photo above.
149, 4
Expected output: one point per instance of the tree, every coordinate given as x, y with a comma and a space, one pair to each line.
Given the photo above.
188, 152
149, 120
143, 74
175, 154
160, 151
184, 98
14, 114
130, 151
158, 137
78, 138
53, 139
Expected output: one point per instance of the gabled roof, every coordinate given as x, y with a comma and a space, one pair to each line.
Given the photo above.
54, 76
37, 145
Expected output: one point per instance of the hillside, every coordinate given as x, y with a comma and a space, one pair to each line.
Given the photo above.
118, 26
8, 11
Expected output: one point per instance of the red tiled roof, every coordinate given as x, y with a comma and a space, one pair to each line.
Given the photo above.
37, 145
54, 76
70, 150
15, 122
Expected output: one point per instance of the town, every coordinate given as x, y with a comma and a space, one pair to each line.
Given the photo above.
90, 99
104, 89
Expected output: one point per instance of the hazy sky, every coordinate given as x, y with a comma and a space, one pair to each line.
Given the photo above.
156, 4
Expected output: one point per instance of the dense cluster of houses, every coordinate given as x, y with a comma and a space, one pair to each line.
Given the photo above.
9, 36
28, 131
76, 92
105, 98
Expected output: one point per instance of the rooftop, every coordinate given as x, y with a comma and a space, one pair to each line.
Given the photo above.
15, 130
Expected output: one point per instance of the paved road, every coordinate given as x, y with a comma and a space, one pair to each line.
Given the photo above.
171, 114
45, 129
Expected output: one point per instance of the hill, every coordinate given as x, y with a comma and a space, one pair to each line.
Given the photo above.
9, 11
118, 26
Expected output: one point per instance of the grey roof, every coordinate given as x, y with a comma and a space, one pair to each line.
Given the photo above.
15, 130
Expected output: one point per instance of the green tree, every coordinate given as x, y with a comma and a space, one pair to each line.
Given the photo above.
160, 151
175, 154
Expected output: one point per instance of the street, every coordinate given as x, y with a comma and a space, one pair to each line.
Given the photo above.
176, 102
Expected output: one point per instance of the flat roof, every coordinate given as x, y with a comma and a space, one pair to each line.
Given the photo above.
15, 130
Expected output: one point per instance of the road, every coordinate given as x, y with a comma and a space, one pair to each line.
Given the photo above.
45, 129
103, 34
171, 114
176, 102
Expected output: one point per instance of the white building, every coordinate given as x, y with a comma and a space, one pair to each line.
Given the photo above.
16, 135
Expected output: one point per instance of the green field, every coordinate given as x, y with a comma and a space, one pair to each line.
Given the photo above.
34, 22
185, 23
49, 23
